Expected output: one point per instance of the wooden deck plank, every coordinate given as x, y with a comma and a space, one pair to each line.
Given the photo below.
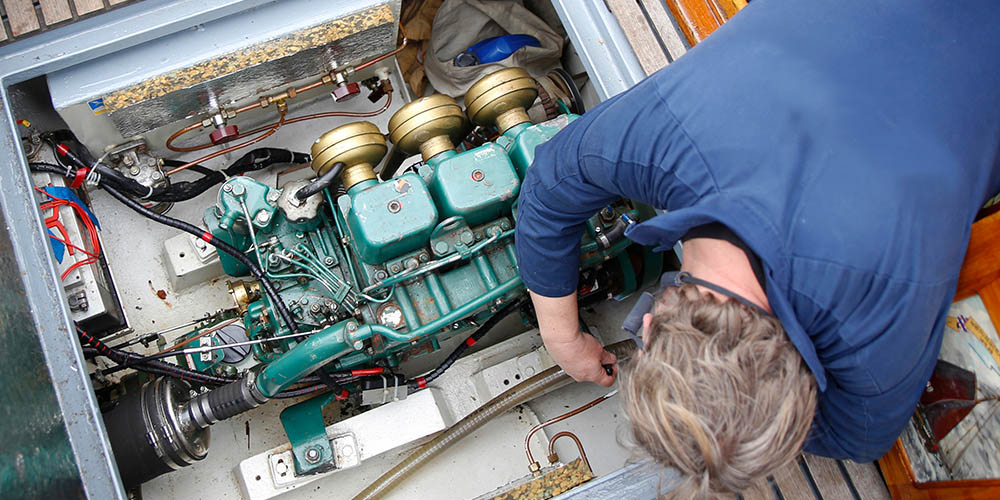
867, 480
639, 34
792, 482
21, 16
116, 2
665, 28
88, 6
55, 11
830, 482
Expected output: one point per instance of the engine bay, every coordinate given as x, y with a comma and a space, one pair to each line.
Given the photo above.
274, 226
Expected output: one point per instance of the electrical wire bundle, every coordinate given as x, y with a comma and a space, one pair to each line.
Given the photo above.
55, 204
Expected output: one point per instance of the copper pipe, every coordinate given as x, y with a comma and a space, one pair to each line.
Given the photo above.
230, 149
387, 55
329, 114
304, 88
181, 132
560, 418
579, 446
200, 335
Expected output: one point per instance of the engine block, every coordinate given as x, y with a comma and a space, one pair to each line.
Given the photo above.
378, 271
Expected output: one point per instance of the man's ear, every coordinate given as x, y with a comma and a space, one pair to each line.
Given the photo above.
647, 319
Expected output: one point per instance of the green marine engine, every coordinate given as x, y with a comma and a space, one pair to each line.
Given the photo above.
377, 271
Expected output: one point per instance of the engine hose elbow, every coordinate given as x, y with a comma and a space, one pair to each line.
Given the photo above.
608, 238
326, 180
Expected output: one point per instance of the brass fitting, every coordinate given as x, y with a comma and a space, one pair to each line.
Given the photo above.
501, 98
431, 125
359, 145
244, 293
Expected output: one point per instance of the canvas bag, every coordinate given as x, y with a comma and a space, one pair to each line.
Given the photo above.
459, 24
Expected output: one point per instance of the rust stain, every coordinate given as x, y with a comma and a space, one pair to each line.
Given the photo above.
160, 294
249, 56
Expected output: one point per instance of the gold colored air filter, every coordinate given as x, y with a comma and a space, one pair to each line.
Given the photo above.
501, 98
431, 125
360, 145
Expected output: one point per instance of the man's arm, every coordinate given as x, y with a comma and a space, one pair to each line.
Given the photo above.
579, 354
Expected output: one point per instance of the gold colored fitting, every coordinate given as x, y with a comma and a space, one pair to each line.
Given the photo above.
357, 173
509, 118
501, 98
243, 293
431, 125
359, 145
434, 146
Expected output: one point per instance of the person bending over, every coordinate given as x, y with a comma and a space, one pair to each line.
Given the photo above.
821, 162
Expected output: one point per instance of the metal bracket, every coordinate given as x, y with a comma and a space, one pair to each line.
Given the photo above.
303, 422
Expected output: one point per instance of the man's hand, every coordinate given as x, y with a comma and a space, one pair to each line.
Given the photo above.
583, 358
579, 354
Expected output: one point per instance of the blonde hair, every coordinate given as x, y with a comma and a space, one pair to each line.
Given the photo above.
719, 393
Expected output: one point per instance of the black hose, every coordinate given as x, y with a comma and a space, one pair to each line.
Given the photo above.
325, 181
421, 382
608, 238
265, 282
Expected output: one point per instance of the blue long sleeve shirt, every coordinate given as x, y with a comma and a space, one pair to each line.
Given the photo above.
849, 144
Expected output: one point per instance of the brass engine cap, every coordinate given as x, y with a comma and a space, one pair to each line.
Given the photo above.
499, 92
353, 144
425, 118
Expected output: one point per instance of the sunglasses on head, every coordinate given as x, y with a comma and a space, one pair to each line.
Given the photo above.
633, 322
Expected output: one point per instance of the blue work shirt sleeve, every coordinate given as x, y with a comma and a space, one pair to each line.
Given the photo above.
555, 202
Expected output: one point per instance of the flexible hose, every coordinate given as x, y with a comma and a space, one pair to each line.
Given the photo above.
545, 381
325, 181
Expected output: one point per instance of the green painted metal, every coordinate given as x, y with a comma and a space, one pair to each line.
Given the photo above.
306, 432
227, 220
36, 457
478, 185
308, 356
391, 218
520, 141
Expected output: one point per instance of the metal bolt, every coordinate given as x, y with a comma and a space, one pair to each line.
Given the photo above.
228, 188
328, 261
312, 455
381, 275
395, 268
239, 190
478, 175
304, 300
281, 468
133, 170
352, 327
394, 206
156, 176
467, 237
300, 235
315, 308
441, 247
504, 225
263, 216
424, 257
411, 263
150, 161
127, 160
347, 450
358, 345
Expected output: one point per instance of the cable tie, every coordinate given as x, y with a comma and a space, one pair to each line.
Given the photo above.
421, 382
207, 236
470, 341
